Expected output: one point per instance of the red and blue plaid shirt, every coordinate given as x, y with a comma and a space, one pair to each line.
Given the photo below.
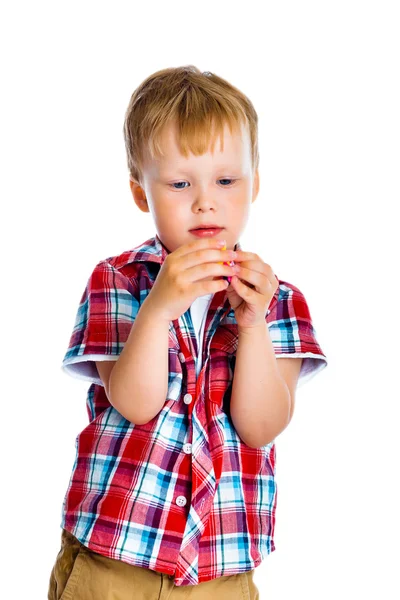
181, 494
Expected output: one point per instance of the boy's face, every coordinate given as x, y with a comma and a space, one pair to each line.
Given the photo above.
184, 193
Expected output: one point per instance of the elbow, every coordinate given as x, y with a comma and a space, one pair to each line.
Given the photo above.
133, 418
141, 421
123, 408
259, 444
136, 417
264, 436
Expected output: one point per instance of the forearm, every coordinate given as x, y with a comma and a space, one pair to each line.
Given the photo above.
139, 380
260, 400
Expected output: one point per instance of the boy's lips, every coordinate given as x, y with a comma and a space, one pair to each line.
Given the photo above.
207, 226
206, 231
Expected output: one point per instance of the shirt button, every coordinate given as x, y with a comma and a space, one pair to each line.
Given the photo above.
181, 357
181, 500
187, 398
187, 448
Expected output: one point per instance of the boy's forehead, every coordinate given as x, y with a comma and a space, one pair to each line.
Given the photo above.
236, 150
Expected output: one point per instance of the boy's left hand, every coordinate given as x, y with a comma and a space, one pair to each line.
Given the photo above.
251, 300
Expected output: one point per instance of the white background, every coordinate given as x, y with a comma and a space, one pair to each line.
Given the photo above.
324, 79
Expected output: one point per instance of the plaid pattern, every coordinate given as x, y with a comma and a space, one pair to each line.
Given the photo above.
182, 494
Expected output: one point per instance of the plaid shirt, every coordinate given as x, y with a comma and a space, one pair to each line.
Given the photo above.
181, 494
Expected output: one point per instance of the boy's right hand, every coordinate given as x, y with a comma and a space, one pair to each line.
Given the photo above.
182, 277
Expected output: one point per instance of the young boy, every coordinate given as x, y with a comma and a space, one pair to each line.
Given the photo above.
172, 493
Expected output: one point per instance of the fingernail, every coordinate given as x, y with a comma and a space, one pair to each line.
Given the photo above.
221, 242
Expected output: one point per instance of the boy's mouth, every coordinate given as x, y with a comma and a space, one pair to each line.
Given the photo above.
206, 231
207, 226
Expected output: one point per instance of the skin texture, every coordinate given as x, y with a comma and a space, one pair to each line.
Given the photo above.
203, 190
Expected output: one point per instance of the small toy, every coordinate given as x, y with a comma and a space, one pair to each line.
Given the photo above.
230, 263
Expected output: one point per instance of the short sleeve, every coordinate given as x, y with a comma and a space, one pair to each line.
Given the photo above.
293, 334
106, 312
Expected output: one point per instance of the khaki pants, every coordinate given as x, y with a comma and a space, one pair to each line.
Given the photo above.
81, 574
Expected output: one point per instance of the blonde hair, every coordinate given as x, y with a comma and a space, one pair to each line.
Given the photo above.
199, 103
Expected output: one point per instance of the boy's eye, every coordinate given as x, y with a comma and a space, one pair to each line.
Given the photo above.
230, 182
177, 183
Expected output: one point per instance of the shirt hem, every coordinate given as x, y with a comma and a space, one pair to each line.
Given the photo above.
202, 576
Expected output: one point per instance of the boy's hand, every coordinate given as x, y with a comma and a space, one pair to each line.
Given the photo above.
182, 276
250, 302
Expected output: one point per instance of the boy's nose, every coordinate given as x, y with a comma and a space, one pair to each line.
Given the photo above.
203, 198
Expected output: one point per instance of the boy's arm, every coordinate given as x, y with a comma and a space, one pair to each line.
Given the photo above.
137, 383
261, 398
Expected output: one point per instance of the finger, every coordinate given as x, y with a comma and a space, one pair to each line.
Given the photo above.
199, 244
254, 262
253, 272
206, 270
256, 280
243, 255
244, 290
207, 254
258, 267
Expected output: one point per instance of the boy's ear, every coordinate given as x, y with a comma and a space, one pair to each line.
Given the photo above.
139, 196
256, 185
